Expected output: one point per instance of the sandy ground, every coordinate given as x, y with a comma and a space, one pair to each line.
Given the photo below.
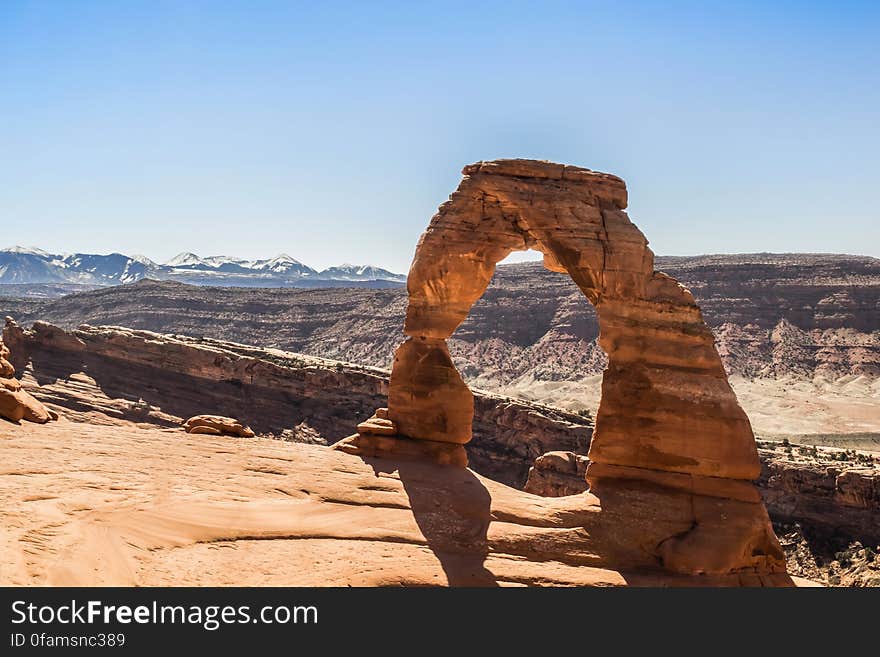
785, 407
83, 504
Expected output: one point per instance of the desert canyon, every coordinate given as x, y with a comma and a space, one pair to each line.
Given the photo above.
358, 476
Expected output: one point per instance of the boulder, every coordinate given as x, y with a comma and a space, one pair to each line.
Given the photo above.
17, 404
216, 425
557, 474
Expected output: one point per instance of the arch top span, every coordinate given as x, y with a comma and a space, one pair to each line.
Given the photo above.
569, 214
666, 404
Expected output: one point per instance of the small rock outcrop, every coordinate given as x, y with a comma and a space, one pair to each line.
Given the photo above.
217, 425
557, 474
17, 404
671, 446
825, 489
376, 436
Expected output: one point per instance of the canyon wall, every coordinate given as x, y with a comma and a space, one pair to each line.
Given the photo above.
829, 492
104, 375
772, 314
109, 374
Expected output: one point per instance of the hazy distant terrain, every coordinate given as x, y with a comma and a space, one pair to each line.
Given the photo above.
799, 334
38, 273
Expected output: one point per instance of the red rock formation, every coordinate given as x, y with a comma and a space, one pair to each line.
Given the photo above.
7, 371
17, 404
111, 374
217, 425
558, 474
668, 419
304, 515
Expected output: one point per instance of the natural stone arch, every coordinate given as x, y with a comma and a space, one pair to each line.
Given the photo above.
666, 404
672, 451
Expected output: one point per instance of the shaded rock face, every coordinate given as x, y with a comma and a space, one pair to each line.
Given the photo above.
810, 486
668, 418
821, 311
103, 375
817, 489
15, 403
557, 474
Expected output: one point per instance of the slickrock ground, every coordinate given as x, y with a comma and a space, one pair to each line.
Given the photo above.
122, 504
110, 376
799, 334
509, 435
114, 375
16, 403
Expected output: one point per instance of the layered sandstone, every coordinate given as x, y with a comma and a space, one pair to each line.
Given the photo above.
826, 491
830, 491
15, 403
113, 375
663, 365
557, 474
86, 505
217, 425
799, 334
668, 420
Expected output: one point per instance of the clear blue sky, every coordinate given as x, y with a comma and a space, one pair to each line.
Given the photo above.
331, 131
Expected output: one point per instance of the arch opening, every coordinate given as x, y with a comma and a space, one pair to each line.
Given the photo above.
531, 336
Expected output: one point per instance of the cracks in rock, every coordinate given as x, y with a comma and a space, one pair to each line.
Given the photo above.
680, 536
603, 241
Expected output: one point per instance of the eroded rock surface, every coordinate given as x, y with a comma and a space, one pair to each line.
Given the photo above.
109, 375
15, 403
557, 474
217, 425
87, 505
832, 491
668, 419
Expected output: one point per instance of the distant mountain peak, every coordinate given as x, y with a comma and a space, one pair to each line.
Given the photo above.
30, 265
27, 250
185, 258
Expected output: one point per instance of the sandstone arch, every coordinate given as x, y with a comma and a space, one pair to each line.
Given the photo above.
666, 403
668, 419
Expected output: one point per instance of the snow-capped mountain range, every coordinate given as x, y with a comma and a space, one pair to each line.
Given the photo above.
32, 266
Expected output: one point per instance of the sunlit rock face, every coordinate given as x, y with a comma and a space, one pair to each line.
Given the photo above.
666, 403
669, 427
